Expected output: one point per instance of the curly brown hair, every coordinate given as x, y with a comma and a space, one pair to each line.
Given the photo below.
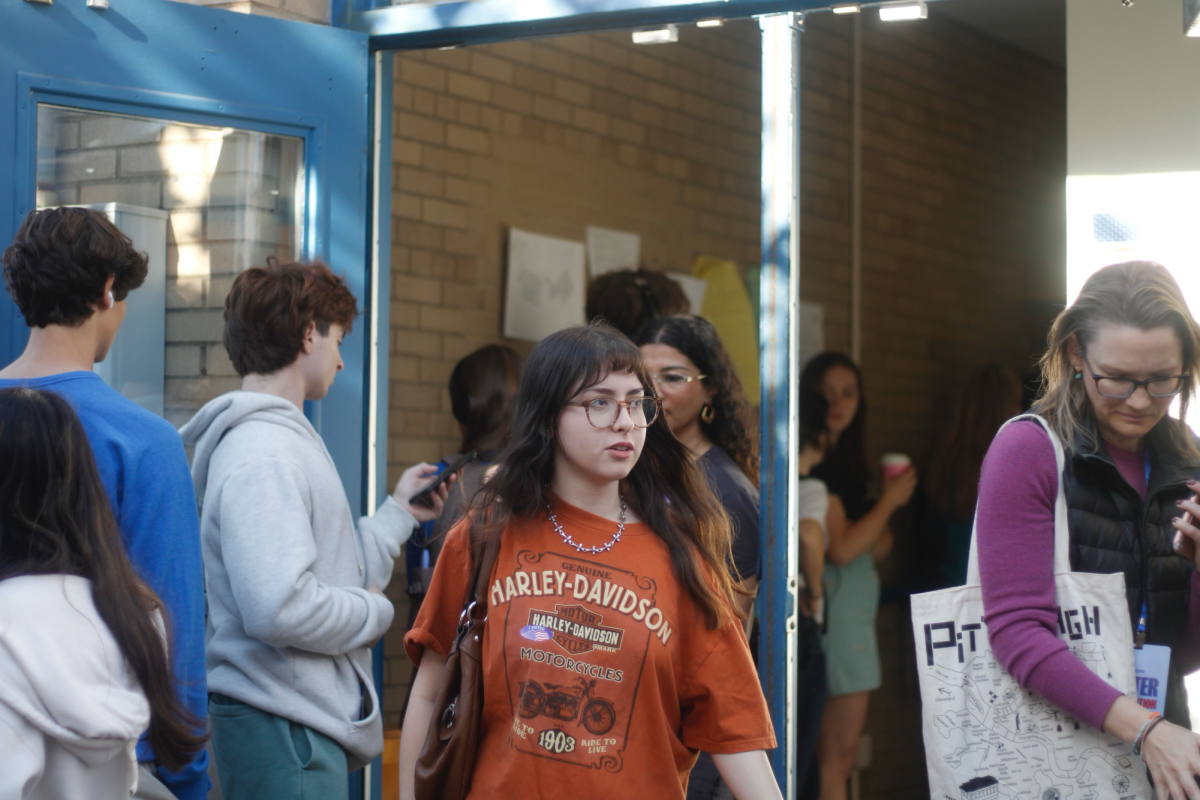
60, 259
732, 427
269, 308
627, 300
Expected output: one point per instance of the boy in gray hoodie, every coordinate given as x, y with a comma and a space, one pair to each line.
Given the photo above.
294, 585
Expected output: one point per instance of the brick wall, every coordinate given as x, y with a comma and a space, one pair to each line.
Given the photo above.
317, 11
963, 167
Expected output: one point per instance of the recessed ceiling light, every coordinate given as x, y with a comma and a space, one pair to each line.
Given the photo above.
663, 35
850, 8
710, 23
893, 12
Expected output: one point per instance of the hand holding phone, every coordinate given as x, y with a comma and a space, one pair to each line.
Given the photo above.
1185, 545
425, 496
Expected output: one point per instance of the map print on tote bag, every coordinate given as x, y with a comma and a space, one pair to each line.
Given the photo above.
581, 633
985, 736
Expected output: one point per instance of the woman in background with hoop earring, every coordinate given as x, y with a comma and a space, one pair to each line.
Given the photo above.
708, 412
703, 402
1117, 359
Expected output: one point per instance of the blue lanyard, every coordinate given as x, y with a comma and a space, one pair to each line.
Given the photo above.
1140, 639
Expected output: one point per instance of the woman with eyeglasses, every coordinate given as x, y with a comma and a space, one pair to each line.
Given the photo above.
706, 409
1118, 357
612, 651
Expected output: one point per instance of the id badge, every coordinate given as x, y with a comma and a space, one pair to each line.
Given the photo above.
1150, 662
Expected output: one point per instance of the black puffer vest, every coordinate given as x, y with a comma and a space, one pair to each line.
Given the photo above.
1114, 530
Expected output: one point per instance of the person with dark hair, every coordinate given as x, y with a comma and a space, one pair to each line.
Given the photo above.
812, 513
613, 651
295, 594
84, 665
858, 538
483, 389
1116, 361
69, 271
705, 407
991, 397
627, 299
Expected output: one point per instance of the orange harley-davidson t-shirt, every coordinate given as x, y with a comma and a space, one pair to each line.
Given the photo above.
600, 676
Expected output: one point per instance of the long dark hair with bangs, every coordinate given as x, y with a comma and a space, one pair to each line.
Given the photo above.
732, 428
55, 520
665, 488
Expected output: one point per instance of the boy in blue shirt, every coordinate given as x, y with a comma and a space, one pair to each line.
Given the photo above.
69, 271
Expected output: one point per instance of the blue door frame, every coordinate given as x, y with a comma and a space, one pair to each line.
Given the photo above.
470, 22
192, 64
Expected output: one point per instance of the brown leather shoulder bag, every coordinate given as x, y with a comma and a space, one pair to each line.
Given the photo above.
447, 760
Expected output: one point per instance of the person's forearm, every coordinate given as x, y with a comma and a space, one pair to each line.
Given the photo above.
1124, 719
859, 537
382, 536
426, 684
812, 557
748, 775
883, 547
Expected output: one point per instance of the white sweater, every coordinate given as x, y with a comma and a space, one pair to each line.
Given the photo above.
70, 709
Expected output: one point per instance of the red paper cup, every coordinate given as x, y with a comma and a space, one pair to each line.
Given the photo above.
895, 465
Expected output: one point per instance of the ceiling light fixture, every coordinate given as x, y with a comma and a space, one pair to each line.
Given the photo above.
663, 35
716, 22
850, 8
1191, 17
893, 12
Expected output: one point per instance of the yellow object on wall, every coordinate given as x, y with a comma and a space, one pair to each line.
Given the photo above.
727, 307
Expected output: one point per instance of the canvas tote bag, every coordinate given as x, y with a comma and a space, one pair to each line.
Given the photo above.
986, 736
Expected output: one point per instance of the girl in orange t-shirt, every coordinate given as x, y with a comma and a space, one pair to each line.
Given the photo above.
612, 654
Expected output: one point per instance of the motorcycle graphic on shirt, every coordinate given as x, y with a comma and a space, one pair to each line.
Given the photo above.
564, 702
578, 636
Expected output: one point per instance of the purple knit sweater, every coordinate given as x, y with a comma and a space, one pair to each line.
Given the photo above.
1015, 524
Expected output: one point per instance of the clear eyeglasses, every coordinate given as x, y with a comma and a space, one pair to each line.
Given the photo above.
674, 380
602, 412
1120, 388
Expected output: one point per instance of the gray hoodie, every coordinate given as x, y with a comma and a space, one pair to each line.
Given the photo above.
286, 570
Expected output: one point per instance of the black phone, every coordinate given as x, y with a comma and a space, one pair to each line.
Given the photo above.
423, 497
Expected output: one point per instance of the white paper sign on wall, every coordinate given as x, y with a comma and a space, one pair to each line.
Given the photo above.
609, 250
545, 287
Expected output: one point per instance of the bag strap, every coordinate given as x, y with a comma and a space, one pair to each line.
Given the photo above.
483, 559
1062, 533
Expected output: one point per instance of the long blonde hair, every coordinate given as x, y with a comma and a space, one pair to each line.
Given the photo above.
1137, 294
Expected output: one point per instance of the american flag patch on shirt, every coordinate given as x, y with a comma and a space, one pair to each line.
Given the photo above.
536, 633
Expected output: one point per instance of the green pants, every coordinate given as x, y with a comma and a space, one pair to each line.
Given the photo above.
261, 756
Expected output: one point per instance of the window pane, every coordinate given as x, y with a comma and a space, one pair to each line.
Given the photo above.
204, 203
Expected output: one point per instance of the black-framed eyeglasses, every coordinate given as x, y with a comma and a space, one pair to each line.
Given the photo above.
1120, 388
602, 412
674, 380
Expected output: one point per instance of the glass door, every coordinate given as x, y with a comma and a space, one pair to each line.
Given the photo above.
204, 203
214, 140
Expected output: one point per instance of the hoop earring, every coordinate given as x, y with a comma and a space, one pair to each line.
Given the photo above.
708, 414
